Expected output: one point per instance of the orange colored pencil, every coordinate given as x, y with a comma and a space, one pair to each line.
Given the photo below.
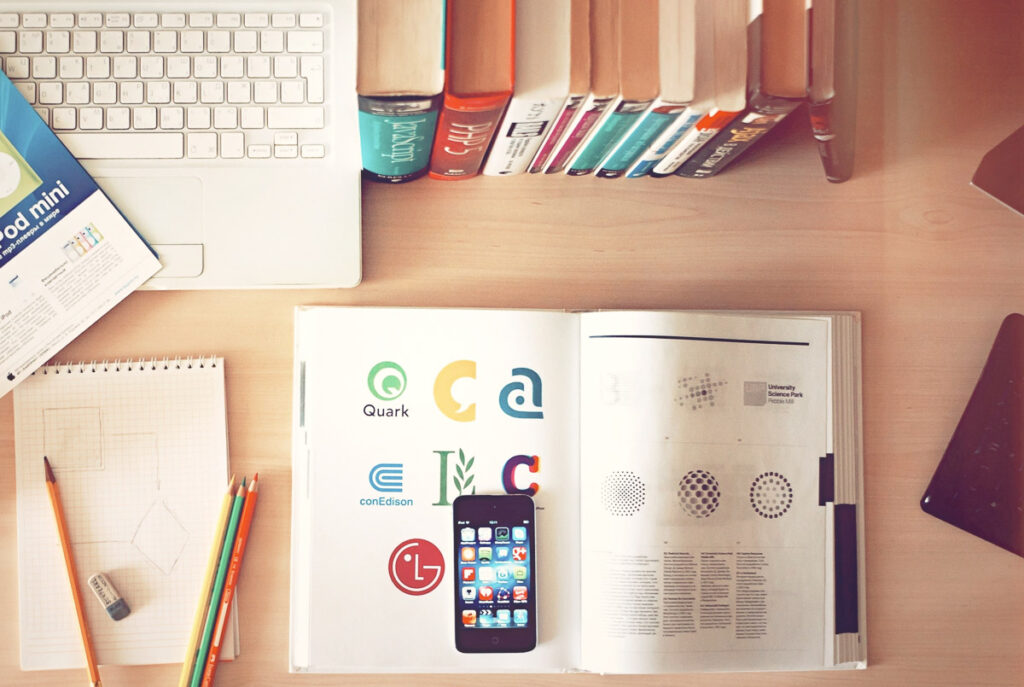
241, 539
69, 562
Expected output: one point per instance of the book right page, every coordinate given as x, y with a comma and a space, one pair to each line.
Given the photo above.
704, 546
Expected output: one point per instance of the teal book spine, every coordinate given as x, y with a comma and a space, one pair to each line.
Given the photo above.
396, 135
636, 143
660, 148
604, 139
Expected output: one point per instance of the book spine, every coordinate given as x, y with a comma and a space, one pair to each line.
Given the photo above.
565, 118
395, 135
761, 117
593, 111
521, 133
619, 123
655, 122
833, 121
836, 168
694, 139
664, 143
464, 132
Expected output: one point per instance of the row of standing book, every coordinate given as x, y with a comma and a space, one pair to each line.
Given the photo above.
613, 88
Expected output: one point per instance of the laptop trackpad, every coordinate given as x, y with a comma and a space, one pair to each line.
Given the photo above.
167, 211
163, 209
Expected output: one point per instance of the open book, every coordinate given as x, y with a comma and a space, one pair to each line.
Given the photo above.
696, 476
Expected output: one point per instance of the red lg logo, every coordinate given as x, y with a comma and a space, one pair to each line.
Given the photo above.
416, 566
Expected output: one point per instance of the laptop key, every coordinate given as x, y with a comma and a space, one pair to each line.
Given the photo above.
295, 117
125, 146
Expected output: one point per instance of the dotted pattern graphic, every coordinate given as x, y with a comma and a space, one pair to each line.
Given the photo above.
699, 493
698, 392
622, 493
771, 495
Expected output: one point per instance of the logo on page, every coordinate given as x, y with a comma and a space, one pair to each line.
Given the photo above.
386, 380
386, 477
416, 567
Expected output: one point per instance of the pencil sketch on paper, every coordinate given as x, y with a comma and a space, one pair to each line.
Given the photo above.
160, 537
73, 437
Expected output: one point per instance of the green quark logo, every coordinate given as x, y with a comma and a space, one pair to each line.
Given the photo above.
387, 380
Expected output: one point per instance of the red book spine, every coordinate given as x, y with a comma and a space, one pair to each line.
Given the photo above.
464, 133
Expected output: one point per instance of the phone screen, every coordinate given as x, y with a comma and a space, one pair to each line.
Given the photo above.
495, 582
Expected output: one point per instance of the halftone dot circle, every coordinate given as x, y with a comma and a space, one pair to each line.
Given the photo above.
623, 493
699, 493
698, 391
771, 495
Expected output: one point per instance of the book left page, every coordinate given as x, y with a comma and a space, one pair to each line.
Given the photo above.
398, 412
140, 454
67, 255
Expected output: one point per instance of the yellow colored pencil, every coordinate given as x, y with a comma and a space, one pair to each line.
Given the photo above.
204, 594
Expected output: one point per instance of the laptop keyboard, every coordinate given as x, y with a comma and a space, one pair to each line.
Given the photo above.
173, 85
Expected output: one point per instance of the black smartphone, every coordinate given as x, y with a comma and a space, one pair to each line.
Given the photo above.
496, 574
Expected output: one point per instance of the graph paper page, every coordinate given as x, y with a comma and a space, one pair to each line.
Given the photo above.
140, 456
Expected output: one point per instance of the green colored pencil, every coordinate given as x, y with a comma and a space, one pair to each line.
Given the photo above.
218, 586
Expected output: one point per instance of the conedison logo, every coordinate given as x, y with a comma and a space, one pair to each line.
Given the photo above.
386, 477
386, 380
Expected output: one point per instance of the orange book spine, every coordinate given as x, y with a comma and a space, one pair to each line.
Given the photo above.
464, 133
466, 125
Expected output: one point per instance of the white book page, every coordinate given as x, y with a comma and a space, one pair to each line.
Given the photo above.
703, 543
357, 617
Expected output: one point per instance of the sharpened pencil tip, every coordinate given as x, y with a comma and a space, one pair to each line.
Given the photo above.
49, 470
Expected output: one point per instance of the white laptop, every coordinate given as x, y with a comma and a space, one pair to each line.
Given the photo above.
226, 131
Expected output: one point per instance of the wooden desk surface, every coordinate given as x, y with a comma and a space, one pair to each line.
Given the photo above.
932, 264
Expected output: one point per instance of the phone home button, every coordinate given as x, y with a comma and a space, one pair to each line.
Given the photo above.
495, 640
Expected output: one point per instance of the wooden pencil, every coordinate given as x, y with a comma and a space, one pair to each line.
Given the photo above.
241, 539
69, 562
204, 594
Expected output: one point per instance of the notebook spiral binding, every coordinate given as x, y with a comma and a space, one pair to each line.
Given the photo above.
129, 365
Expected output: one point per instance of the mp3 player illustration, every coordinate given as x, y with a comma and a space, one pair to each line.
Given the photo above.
17, 179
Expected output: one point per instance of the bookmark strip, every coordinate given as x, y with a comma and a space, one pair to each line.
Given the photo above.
847, 606
826, 479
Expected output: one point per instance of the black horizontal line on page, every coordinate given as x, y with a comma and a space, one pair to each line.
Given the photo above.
700, 338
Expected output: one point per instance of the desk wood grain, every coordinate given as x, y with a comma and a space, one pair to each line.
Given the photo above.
931, 263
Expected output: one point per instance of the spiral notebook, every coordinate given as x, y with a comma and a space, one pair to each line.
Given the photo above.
139, 449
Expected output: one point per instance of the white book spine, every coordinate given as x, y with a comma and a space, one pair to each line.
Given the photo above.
524, 127
684, 149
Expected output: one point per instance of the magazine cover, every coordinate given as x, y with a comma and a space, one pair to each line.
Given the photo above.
67, 255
